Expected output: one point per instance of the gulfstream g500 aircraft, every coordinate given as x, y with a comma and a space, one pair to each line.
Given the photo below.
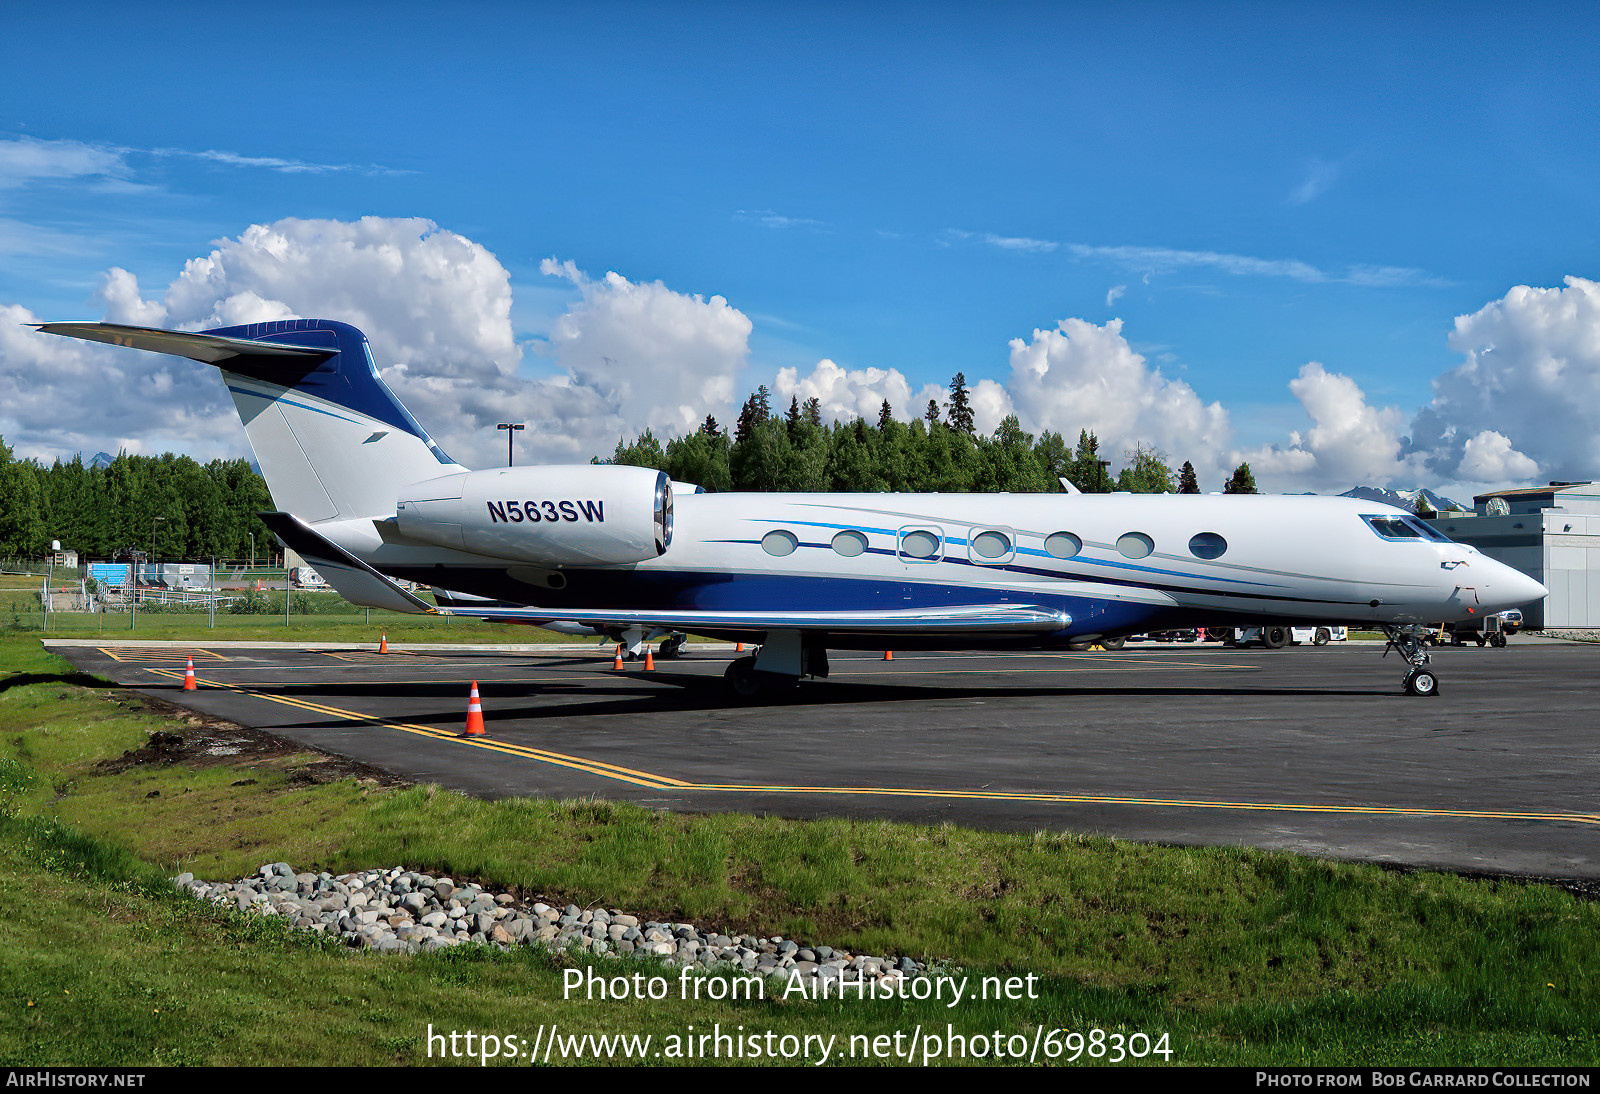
367, 496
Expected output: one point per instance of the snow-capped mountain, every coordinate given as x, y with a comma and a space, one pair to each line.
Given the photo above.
1405, 499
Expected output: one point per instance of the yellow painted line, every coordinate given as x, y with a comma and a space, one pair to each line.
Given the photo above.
664, 782
147, 654
593, 767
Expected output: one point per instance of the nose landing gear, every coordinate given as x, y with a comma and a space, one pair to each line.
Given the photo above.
1408, 643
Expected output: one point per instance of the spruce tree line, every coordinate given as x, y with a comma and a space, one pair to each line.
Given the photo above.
210, 510
206, 510
940, 452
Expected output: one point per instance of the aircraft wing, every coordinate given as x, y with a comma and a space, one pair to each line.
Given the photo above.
350, 577
980, 617
361, 584
210, 348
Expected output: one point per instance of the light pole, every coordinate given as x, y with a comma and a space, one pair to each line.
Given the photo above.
153, 522
252, 536
511, 429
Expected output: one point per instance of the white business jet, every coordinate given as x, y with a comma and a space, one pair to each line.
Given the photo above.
366, 497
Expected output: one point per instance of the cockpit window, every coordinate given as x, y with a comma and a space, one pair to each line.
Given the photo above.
1398, 528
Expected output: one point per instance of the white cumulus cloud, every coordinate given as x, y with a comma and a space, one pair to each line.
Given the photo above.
1083, 376
847, 394
1530, 374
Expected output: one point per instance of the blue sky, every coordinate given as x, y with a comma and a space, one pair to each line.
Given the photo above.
1248, 187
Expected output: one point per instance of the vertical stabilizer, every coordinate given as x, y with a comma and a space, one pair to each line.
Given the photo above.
331, 438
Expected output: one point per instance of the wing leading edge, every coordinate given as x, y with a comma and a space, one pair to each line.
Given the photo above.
361, 584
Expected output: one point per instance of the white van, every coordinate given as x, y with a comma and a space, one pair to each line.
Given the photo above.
304, 577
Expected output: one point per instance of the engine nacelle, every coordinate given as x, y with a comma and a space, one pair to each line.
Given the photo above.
553, 515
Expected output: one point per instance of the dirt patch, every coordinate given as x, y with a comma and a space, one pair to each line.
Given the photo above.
195, 739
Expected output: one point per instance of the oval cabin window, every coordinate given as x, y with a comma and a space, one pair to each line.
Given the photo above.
779, 543
1207, 545
1135, 544
991, 545
919, 544
1063, 544
850, 544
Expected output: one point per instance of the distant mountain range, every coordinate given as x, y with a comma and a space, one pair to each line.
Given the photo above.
102, 459
1405, 499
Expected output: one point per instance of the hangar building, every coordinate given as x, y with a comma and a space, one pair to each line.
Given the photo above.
1552, 534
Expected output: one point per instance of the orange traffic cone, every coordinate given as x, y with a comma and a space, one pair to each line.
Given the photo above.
649, 660
474, 715
188, 675
383, 644
616, 664
888, 655
738, 647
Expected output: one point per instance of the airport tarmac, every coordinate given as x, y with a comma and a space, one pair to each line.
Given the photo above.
1312, 750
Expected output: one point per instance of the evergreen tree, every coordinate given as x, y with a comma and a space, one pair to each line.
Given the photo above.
700, 458
1241, 482
1089, 472
755, 411
960, 405
710, 428
1149, 473
1054, 460
885, 415
932, 414
643, 452
1187, 483
813, 412
793, 418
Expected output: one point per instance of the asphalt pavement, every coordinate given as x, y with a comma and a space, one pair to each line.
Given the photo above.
1312, 750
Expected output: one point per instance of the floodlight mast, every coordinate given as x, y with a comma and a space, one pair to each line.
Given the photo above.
511, 429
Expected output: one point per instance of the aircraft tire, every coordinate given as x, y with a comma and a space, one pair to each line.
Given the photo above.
749, 684
1481, 640
670, 649
1422, 681
1275, 638
742, 679
1322, 637
1113, 643
1499, 641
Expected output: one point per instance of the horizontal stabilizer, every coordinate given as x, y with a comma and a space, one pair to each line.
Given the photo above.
982, 617
211, 348
351, 578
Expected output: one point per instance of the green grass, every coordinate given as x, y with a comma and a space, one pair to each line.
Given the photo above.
1241, 957
315, 617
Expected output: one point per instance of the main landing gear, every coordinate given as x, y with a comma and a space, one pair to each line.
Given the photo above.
1408, 643
777, 666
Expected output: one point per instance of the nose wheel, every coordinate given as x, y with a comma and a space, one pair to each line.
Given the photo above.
1421, 681
1408, 643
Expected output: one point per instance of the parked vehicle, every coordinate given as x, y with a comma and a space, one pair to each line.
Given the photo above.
1275, 638
304, 577
1491, 630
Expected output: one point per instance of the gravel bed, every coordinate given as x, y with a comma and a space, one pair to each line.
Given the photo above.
401, 911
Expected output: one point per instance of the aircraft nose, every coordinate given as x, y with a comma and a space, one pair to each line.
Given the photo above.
1514, 588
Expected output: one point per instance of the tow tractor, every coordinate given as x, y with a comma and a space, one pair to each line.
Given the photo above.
1491, 630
